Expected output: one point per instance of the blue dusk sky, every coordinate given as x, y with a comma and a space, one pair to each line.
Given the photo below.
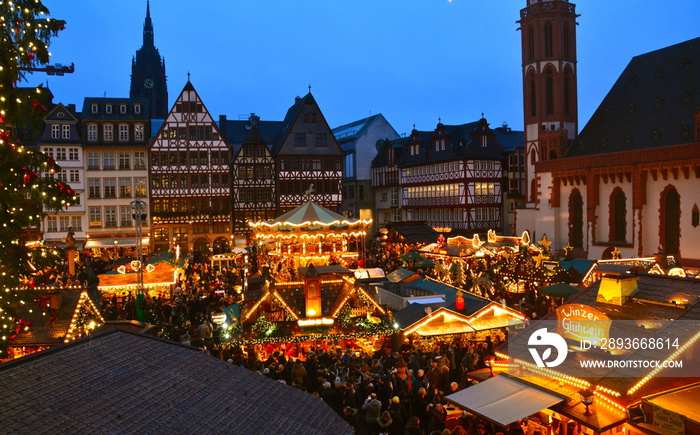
412, 60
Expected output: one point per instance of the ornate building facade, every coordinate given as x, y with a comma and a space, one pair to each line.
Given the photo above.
190, 194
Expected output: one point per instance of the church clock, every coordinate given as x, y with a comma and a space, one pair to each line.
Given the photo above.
148, 83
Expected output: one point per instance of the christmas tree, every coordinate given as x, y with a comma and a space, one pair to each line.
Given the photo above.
26, 192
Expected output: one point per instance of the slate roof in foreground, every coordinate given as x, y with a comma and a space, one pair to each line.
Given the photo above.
124, 382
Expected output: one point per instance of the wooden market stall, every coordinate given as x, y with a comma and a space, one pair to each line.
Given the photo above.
60, 315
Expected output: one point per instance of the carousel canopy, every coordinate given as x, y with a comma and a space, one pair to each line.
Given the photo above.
309, 214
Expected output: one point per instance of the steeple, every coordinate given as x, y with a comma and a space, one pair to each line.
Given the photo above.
148, 79
148, 27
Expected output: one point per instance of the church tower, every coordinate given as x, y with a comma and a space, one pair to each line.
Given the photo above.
148, 72
548, 35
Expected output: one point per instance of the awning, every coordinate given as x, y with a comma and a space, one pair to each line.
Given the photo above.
504, 400
121, 241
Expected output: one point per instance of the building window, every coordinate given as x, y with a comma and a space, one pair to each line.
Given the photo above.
108, 160
65, 132
111, 216
533, 97
137, 109
550, 93
95, 214
73, 154
93, 160
74, 176
52, 224
139, 160
122, 108
108, 109
110, 188
695, 216
63, 223
125, 218
77, 223
125, 187
618, 210
321, 140
123, 132
55, 131
124, 160
92, 133
140, 187
61, 154
300, 140
138, 132
94, 108
548, 51
531, 43
62, 176
108, 132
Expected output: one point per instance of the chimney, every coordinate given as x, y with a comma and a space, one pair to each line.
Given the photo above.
222, 125
617, 289
71, 108
253, 119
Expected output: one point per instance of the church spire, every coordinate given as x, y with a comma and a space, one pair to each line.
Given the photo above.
148, 27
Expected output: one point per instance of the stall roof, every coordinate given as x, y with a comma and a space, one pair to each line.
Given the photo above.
416, 232
683, 401
504, 400
109, 243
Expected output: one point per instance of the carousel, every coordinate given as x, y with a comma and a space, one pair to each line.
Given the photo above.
310, 234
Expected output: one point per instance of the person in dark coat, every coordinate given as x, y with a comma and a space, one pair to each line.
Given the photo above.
332, 398
399, 417
420, 405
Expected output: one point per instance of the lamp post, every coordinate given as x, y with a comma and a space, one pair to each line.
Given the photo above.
138, 212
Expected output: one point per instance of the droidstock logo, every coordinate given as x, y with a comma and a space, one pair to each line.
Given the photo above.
542, 338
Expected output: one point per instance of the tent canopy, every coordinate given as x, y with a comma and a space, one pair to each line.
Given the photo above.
504, 400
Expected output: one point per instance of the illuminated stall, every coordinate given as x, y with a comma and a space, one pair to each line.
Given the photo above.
59, 316
469, 318
327, 307
311, 234
158, 277
647, 317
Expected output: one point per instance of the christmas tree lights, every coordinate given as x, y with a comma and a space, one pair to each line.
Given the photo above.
25, 195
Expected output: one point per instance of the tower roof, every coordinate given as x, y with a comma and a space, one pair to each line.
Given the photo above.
148, 27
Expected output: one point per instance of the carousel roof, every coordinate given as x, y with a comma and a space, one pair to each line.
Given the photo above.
309, 213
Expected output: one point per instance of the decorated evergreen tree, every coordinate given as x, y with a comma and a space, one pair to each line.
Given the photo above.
26, 193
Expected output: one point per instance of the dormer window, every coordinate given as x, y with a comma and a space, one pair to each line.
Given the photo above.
108, 109
137, 109
94, 108
484, 142
122, 109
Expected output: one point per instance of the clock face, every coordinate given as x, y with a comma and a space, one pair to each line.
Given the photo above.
148, 83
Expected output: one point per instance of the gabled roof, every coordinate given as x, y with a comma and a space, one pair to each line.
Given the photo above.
53, 327
119, 381
290, 118
345, 134
651, 105
461, 143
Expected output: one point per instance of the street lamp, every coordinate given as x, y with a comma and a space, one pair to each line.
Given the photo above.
138, 212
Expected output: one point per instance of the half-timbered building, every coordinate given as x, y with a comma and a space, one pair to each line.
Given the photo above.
190, 180
452, 178
308, 157
385, 181
253, 171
